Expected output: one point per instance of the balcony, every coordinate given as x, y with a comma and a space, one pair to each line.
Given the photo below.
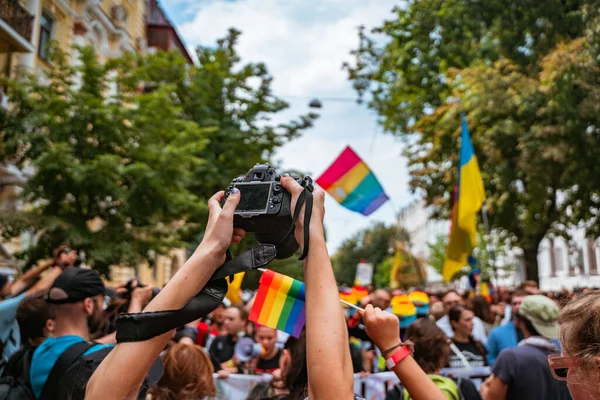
16, 27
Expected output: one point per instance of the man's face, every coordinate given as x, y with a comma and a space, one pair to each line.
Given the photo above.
96, 315
68, 257
267, 337
516, 304
218, 315
233, 323
450, 300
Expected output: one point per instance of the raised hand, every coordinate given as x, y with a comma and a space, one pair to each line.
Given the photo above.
318, 209
219, 232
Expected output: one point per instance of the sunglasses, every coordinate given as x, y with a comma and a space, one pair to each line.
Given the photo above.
559, 366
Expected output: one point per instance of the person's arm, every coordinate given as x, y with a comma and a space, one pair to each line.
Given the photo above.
117, 377
140, 297
330, 373
27, 279
384, 329
45, 281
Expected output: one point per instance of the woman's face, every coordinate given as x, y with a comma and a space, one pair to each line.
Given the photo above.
465, 323
582, 386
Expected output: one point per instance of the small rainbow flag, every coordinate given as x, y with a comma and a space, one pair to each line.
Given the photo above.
279, 303
352, 184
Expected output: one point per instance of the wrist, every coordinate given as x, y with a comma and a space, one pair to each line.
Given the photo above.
208, 256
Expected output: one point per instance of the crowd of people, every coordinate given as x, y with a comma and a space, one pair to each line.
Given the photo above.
58, 334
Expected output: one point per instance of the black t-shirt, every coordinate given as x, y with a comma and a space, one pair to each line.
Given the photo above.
221, 350
474, 355
268, 366
525, 371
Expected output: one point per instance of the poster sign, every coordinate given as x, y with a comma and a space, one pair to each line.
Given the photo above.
364, 274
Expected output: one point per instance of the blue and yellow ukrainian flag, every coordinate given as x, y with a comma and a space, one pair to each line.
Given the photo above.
468, 201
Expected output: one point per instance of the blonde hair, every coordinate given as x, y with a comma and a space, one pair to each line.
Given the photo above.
580, 329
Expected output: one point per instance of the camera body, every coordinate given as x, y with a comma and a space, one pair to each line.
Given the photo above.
265, 207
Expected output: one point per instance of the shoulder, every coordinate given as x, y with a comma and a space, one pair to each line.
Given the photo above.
499, 330
56, 345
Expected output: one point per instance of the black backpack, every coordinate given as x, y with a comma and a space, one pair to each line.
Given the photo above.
73, 382
14, 384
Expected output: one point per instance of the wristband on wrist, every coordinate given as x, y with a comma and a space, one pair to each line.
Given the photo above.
397, 356
388, 351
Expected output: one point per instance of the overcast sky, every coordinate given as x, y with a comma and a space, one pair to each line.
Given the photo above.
304, 43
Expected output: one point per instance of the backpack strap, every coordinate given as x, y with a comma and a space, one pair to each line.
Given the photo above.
64, 361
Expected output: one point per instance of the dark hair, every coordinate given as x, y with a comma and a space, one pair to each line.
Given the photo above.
243, 312
431, 344
32, 314
481, 308
454, 316
455, 313
528, 325
296, 379
519, 293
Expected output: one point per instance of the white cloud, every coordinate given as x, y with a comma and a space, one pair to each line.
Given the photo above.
304, 44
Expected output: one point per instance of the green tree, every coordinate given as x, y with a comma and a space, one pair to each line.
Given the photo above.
490, 254
235, 101
109, 171
374, 244
504, 66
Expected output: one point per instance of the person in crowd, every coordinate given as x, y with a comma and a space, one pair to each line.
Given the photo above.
472, 351
482, 310
329, 367
437, 311
222, 349
579, 363
209, 330
431, 352
187, 375
36, 323
290, 380
12, 294
450, 299
77, 298
531, 287
506, 336
383, 327
269, 361
522, 372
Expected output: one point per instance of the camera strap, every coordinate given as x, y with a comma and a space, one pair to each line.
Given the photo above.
144, 326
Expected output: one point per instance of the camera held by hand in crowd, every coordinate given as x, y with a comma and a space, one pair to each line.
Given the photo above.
265, 208
132, 285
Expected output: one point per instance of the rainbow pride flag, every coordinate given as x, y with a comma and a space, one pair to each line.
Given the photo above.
352, 184
279, 303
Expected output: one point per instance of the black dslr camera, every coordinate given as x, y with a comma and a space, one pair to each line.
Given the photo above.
265, 208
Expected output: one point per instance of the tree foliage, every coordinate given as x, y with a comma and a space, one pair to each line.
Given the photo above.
523, 73
375, 244
137, 145
121, 159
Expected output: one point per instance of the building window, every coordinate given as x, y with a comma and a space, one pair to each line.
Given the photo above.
593, 266
46, 26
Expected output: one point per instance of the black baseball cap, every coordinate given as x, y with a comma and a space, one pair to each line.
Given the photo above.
74, 285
